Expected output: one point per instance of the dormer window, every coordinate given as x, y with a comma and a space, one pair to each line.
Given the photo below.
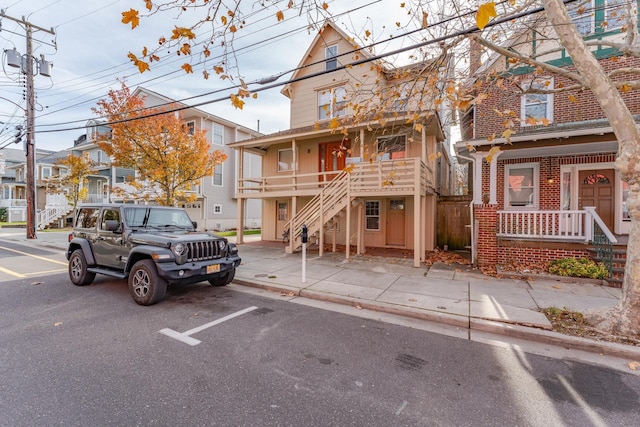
331, 57
191, 128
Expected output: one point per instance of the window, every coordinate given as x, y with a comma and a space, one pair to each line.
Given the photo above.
392, 147
46, 172
191, 128
372, 214
87, 218
521, 185
218, 133
330, 54
331, 102
285, 160
537, 107
217, 209
109, 215
582, 17
217, 175
614, 14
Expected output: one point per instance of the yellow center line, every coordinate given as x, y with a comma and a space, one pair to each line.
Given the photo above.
34, 256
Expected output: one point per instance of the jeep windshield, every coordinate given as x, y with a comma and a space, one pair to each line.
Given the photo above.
157, 218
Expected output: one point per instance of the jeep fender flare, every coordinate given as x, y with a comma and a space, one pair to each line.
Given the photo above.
78, 243
146, 252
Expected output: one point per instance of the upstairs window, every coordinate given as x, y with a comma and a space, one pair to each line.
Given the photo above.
537, 107
285, 160
191, 127
330, 55
218, 134
332, 102
217, 175
392, 147
582, 16
615, 14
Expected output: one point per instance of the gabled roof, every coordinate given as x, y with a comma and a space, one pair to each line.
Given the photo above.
141, 91
319, 39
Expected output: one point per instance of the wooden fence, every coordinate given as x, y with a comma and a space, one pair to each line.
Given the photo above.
453, 222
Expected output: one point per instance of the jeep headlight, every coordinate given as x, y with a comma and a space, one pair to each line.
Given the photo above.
180, 251
222, 245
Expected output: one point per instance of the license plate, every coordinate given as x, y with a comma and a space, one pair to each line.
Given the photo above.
215, 268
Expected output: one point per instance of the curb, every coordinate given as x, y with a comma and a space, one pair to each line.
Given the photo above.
471, 323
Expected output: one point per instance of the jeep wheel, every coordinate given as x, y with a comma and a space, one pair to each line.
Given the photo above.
145, 285
78, 269
223, 280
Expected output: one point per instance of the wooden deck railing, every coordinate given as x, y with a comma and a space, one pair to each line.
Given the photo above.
392, 175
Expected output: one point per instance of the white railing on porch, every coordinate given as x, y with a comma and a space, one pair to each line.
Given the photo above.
57, 206
568, 225
13, 203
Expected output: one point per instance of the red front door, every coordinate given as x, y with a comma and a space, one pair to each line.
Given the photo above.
331, 158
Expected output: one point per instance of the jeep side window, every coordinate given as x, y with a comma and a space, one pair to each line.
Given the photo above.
110, 217
87, 218
135, 216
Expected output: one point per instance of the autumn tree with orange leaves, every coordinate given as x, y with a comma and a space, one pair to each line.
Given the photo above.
75, 181
167, 158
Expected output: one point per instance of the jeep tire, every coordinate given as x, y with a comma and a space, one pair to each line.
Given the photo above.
145, 285
223, 280
78, 269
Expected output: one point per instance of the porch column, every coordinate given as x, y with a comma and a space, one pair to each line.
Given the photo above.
417, 229
423, 227
493, 179
240, 180
292, 230
348, 226
240, 227
362, 145
294, 152
360, 226
321, 231
423, 154
477, 177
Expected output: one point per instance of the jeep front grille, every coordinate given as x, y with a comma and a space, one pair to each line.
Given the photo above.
201, 251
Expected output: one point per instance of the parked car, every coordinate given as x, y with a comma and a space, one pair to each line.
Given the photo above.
151, 246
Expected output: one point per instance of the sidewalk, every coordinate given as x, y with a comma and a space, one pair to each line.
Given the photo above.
451, 294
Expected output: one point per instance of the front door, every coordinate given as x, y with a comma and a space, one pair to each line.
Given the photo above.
596, 189
395, 222
332, 157
282, 217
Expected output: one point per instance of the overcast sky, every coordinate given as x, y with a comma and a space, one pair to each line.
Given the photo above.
90, 47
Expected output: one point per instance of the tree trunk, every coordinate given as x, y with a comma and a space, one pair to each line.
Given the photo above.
625, 317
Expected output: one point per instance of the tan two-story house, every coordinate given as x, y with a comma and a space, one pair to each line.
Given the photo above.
357, 166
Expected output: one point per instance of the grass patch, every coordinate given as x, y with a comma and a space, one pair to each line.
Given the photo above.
12, 224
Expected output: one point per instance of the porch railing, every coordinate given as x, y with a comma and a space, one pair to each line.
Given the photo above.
13, 203
395, 175
572, 225
564, 225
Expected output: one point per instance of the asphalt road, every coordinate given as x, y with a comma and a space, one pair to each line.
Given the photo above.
90, 356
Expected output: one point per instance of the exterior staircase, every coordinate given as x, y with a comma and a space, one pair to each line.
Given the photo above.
614, 259
57, 207
332, 199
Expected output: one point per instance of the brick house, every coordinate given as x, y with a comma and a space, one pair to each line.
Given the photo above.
551, 191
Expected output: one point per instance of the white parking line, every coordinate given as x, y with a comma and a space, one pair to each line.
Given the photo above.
185, 336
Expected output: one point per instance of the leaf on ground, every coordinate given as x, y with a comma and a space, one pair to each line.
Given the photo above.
633, 365
57, 324
358, 307
413, 300
37, 283
556, 287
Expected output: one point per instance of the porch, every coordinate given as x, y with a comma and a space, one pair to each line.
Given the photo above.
336, 193
546, 235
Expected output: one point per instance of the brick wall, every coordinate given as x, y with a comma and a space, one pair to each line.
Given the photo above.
506, 96
508, 254
487, 241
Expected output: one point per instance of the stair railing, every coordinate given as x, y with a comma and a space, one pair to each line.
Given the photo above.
602, 239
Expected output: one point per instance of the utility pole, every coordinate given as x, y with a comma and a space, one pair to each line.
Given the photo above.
26, 65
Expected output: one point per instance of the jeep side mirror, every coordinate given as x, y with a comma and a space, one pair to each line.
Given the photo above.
113, 225
195, 225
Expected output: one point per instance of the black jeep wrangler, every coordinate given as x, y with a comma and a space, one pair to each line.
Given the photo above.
152, 246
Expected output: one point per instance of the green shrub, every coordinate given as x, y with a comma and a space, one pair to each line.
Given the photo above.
3, 214
578, 267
